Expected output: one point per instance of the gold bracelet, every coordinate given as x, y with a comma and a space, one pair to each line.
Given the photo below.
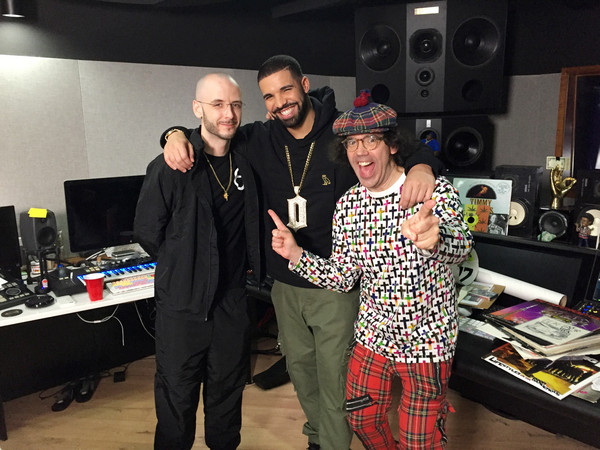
170, 132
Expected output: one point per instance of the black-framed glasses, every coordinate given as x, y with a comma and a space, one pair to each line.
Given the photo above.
220, 106
369, 142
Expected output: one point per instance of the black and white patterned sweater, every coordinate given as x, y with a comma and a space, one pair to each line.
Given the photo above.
408, 296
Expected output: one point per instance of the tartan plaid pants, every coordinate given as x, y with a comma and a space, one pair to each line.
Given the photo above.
423, 406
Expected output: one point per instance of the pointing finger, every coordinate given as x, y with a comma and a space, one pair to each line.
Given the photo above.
427, 208
278, 223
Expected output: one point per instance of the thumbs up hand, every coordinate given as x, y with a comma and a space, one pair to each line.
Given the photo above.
423, 228
283, 242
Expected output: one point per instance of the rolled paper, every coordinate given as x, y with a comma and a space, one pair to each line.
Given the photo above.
521, 289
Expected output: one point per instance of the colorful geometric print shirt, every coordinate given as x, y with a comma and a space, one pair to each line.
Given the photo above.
408, 296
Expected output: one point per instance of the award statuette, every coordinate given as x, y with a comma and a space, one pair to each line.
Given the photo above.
560, 186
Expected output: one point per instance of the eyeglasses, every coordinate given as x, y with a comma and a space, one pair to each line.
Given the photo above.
220, 106
369, 142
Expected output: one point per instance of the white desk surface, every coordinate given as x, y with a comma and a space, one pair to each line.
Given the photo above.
69, 304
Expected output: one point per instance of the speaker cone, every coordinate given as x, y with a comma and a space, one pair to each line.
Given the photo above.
425, 76
517, 214
46, 236
425, 45
379, 47
475, 41
464, 147
554, 222
380, 93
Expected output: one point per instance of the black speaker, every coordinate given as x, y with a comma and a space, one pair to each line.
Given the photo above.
433, 57
466, 141
38, 233
555, 222
524, 197
588, 184
10, 254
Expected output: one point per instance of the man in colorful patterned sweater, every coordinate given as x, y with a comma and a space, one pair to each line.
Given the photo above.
407, 324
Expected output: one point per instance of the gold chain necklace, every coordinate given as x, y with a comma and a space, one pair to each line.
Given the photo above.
297, 205
225, 194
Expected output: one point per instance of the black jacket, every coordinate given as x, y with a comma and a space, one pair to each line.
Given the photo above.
174, 223
324, 184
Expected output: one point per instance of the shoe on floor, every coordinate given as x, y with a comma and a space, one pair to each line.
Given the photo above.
312, 446
87, 387
65, 396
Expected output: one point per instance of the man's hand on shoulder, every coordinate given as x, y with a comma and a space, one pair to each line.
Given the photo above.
179, 152
418, 186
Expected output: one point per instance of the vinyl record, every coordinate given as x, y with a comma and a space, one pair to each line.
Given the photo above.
471, 216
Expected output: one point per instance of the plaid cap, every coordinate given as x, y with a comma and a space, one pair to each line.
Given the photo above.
365, 117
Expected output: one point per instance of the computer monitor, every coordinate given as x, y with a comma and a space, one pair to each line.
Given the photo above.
10, 254
100, 211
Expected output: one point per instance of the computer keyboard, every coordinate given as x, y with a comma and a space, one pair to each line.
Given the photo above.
129, 284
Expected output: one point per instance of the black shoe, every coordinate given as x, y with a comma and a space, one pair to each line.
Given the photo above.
65, 397
86, 388
312, 446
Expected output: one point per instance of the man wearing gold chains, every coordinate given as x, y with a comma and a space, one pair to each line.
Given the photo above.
290, 156
202, 228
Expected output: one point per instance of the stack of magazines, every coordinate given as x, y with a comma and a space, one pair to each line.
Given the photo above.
551, 347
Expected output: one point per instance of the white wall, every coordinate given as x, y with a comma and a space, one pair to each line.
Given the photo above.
66, 119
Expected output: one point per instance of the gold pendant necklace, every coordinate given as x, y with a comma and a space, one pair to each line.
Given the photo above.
297, 205
225, 194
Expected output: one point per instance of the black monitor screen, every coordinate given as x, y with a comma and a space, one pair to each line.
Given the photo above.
100, 211
10, 255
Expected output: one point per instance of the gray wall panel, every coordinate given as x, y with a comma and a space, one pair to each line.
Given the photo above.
64, 119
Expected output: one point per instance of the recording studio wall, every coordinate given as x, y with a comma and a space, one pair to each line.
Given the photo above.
433, 57
466, 142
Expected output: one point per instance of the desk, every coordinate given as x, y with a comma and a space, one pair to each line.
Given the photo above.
69, 304
45, 347
479, 381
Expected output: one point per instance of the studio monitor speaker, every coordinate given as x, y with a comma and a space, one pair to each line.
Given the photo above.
433, 57
524, 197
588, 184
466, 141
38, 233
555, 222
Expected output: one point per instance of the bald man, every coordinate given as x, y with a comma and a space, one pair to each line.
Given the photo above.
202, 228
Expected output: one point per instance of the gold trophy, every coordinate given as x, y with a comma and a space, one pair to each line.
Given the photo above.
560, 186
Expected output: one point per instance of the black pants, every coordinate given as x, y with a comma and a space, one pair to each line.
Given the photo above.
191, 352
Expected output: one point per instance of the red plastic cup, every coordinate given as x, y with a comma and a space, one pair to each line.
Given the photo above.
94, 283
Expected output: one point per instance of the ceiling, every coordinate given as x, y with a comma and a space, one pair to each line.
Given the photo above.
276, 8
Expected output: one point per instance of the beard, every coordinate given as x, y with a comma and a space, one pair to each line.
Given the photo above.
298, 119
213, 129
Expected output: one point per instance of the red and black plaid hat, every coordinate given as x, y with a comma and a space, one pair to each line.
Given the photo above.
365, 117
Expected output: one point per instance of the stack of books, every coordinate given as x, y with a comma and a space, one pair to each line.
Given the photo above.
552, 347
